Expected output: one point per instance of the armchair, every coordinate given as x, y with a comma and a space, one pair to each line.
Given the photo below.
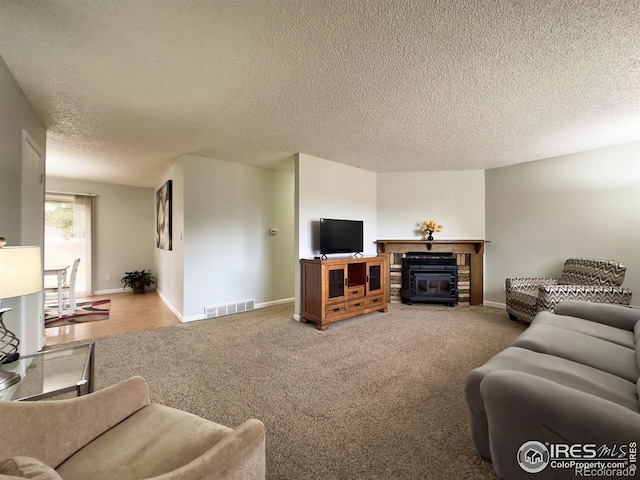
117, 434
581, 279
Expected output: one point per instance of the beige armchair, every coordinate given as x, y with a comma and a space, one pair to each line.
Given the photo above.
582, 279
117, 434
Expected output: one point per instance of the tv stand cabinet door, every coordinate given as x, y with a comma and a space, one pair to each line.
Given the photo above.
334, 283
376, 278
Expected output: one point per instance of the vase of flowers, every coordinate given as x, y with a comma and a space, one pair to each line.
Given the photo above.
429, 227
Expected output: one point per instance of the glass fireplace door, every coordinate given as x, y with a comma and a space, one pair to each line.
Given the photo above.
430, 285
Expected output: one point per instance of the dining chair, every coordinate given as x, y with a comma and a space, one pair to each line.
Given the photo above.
69, 288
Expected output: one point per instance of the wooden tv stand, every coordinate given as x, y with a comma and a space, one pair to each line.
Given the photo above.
337, 289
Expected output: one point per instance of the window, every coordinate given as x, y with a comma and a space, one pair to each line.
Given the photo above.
67, 236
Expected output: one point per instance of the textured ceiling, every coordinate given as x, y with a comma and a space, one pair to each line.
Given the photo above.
124, 87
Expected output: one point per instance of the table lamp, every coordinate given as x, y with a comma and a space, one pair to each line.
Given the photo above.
20, 274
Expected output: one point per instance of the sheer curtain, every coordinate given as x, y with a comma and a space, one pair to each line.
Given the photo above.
68, 235
82, 220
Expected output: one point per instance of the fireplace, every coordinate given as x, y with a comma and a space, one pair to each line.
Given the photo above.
430, 277
470, 280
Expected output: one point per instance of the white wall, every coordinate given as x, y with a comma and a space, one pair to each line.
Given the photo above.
229, 255
16, 114
123, 229
581, 205
453, 199
326, 189
169, 264
282, 246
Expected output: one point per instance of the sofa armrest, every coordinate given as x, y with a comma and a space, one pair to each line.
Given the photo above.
528, 283
52, 431
618, 316
238, 456
521, 407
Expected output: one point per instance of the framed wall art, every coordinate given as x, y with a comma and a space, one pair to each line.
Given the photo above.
163, 217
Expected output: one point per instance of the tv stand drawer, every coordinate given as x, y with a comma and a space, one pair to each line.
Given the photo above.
374, 301
337, 309
355, 292
357, 304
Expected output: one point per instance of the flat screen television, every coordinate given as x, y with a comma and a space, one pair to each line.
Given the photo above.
341, 236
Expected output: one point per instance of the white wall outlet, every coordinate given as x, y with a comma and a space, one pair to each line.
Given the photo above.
108, 277
273, 231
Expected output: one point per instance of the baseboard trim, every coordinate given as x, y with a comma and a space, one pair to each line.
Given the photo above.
193, 318
494, 304
110, 291
119, 290
274, 303
170, 306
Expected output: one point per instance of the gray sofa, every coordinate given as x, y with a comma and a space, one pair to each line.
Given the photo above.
571, 378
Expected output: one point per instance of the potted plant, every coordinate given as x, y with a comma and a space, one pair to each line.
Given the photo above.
138, 280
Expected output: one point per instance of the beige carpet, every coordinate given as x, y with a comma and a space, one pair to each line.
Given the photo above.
375, 397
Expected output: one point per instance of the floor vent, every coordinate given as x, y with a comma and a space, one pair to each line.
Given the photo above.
220, 310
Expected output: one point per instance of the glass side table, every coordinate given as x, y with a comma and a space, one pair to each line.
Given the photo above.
52, 372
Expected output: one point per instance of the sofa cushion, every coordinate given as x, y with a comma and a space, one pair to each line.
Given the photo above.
603, 313
636, 334
152, 441
565, 372
27, 467
580, 348
560, 370
593, 329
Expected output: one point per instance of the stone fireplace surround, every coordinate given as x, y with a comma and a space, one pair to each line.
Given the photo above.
470, 265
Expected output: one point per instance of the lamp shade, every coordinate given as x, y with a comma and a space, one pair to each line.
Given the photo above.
20, 271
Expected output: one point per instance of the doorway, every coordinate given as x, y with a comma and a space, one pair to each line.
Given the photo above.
67, 236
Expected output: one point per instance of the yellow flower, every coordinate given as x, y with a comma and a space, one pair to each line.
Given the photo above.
430, 226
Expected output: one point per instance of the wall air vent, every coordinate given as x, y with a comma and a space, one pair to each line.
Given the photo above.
221, 310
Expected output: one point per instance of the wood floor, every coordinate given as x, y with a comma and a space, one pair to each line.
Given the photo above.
128, 313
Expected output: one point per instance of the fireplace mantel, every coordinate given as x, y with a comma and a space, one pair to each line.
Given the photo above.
475, 249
